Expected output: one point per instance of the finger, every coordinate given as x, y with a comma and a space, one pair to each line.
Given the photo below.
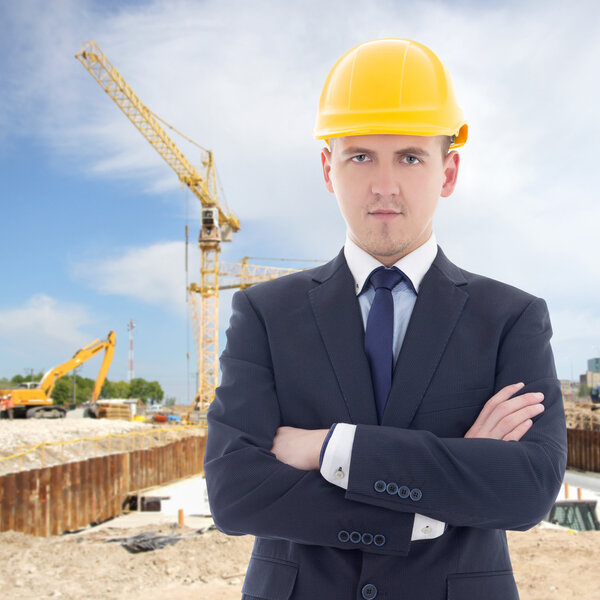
481, 423
515, 404
513, 420
499, 397
518, 432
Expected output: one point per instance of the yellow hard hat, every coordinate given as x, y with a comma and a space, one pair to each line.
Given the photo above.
389, 86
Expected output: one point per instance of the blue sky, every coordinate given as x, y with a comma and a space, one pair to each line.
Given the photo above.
94, 220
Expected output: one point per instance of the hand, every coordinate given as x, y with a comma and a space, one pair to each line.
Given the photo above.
299, 448
506, 416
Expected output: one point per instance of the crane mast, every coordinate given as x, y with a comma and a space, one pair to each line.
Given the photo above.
218, 224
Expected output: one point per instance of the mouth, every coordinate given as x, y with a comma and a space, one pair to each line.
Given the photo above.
384, 215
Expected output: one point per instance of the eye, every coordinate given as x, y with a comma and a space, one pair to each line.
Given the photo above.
360, 158
411, 160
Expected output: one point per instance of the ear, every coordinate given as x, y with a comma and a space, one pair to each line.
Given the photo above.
326, 164
451, 163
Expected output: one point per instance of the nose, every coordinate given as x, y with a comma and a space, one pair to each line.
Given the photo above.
385, 182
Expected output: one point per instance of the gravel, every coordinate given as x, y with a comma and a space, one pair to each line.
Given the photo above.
20, 434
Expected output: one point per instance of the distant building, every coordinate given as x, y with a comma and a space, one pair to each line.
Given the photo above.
569, 389
594, 365
590, 378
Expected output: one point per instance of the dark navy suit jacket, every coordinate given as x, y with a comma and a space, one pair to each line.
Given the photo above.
295, 357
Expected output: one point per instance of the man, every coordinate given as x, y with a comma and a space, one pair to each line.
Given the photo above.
383, 419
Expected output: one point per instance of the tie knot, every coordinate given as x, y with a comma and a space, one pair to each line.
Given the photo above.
385, 278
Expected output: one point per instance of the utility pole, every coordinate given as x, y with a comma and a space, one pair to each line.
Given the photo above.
130, 328
74, 387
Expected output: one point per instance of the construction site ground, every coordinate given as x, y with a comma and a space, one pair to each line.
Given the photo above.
203, 564
548, 563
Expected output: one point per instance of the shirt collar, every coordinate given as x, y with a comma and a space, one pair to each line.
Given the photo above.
413, 265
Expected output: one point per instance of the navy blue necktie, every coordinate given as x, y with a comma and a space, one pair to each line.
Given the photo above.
379, 334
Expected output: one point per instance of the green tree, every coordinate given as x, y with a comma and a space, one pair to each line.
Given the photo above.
18, 379
115, 389
145, 390
63, 390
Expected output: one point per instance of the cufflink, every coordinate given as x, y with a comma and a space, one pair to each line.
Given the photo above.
339, 474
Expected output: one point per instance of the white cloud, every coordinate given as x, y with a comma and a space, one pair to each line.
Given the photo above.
44, 327
152, 274
243, 79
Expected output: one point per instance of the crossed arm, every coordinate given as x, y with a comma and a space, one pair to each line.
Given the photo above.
504, 417
489, 481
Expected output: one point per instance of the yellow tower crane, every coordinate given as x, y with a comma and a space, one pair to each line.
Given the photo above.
218, 224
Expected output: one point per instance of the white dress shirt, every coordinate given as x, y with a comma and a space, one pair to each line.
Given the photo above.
335, 467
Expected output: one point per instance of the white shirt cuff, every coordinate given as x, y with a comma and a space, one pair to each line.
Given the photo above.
336, 469
425, 528
336, 459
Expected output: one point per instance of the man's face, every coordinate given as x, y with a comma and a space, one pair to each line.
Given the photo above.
387, 187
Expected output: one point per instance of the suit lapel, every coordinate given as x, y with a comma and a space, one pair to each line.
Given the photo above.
435, 315
339, 321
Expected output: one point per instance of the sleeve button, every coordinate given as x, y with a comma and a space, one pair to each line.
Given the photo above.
416, 494
380, 486
404, 491
355, 537
367, 539
379, 540
343, 536
392, 488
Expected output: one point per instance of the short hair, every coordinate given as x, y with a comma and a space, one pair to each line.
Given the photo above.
446, 143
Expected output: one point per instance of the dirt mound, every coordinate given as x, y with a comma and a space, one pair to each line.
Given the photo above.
548, 563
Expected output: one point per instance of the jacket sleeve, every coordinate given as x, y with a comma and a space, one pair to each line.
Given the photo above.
250, 491
475, 482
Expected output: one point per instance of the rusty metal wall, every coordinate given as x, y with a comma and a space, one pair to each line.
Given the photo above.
583, 449
73, 495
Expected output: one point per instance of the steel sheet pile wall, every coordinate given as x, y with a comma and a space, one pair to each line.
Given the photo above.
70, 496
583, 449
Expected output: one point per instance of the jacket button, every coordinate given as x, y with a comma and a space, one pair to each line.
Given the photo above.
367, 539
392, 488
404, 491
416, 494
343, 536
369, 591
355, 537
380, 486
379, 540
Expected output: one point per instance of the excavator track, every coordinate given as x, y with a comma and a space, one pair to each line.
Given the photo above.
46, 412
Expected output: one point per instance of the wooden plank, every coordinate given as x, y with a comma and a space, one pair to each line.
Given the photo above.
67, 514
97, 490
86, 487
33, 502
44, 500
21, 506
104, 485
56, 499
1, 497
78, 496
114, 485
8, 502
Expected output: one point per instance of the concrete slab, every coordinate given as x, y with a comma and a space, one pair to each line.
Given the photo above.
134, 520
188, 495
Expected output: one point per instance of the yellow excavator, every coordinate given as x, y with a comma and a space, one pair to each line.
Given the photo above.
33, 400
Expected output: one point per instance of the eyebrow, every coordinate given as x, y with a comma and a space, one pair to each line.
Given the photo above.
412, 150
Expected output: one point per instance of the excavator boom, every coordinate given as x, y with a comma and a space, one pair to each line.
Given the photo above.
37, 402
